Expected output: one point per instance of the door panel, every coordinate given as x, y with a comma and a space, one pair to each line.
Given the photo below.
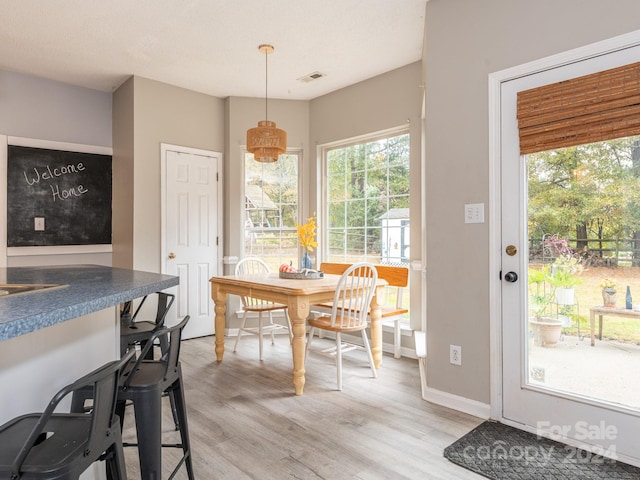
580, 421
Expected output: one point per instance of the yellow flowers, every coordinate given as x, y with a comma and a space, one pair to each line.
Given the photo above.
608, 283
307, 232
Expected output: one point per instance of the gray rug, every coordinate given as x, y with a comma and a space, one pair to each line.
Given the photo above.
501, 452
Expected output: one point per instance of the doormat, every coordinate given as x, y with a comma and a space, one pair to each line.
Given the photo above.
501, 452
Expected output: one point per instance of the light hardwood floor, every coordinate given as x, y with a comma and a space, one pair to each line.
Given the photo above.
246, 423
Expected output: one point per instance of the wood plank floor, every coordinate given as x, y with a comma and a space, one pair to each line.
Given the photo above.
246, 423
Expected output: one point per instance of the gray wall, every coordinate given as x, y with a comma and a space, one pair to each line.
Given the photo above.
32, 107
466, 40
159, 113
123, 142
46, 110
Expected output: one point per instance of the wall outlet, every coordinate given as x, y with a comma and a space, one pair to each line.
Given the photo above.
455, 354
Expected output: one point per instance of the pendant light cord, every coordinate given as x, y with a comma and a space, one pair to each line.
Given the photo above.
266, 80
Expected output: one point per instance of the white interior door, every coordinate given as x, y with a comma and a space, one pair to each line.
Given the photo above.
191, 231
577, 420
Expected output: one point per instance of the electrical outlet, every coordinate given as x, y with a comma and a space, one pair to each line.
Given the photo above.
455, 354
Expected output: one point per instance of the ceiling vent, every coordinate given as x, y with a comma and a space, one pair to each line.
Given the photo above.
311, 77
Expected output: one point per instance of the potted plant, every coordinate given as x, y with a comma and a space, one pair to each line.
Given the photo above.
608, 292
563, 276
546, 330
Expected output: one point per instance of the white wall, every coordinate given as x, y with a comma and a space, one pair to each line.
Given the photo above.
466, 40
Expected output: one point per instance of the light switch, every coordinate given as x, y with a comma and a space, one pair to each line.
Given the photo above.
474, 213
38, 224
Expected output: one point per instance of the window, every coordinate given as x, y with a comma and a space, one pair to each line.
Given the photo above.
367, 192
271, 209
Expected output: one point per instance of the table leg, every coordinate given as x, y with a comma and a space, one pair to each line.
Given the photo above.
376, 327
600, 327
592, 322
220, 300
298, 312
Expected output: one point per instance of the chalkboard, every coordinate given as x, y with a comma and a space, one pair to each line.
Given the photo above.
56, 197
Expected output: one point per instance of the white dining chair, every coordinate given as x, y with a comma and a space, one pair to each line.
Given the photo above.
349, 313
249, 266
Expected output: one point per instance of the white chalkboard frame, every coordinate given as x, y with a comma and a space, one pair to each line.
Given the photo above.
5, 141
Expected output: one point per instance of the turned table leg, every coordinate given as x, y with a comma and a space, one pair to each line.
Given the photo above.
298, 312
376, 328
220, 300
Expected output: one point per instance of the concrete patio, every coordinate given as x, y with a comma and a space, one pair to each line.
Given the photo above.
607, 371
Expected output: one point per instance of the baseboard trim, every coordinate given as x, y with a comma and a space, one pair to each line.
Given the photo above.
456, 402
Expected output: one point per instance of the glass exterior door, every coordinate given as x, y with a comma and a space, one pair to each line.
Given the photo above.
557, 234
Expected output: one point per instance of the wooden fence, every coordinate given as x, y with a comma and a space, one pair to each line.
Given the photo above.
603, 252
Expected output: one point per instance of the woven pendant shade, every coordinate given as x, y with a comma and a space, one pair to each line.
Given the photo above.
266, 141
593, 108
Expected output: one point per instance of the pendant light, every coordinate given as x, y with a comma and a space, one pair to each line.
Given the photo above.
266, 141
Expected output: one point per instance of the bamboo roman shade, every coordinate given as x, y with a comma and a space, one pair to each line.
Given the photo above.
597, 107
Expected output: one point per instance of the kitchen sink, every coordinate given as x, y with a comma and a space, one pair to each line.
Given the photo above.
7, 289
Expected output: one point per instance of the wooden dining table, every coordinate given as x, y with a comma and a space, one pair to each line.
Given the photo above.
298, 295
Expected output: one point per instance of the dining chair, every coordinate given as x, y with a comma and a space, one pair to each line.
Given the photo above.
349, 313
254, 266
391, 313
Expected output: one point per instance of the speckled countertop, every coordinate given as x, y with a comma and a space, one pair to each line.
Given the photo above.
86, 289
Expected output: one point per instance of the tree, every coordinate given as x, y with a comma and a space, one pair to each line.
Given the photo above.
586, 192
364, 181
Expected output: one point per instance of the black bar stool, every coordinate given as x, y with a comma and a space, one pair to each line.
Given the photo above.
136, 331
144, 385
60, 446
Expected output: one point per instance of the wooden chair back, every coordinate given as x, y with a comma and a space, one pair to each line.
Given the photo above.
394, 276
353, 296
252, 266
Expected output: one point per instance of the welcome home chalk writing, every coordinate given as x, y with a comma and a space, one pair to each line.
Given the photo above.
68, 193
48, 173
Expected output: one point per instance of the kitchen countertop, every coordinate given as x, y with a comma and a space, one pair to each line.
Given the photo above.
84, 289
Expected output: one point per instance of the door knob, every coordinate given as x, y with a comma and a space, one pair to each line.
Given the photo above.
172, 256
511, 277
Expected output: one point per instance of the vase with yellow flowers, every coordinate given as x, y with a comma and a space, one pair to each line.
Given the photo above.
608, 292
307, 240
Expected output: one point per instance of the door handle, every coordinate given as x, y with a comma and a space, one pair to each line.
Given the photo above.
172, 256
511, 277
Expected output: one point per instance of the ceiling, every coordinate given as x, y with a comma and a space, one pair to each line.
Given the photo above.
211, 46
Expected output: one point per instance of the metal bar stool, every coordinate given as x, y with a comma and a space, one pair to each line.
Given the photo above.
144, 385
135, 331
60, 446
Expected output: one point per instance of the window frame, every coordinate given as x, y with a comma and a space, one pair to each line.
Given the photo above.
323, 150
